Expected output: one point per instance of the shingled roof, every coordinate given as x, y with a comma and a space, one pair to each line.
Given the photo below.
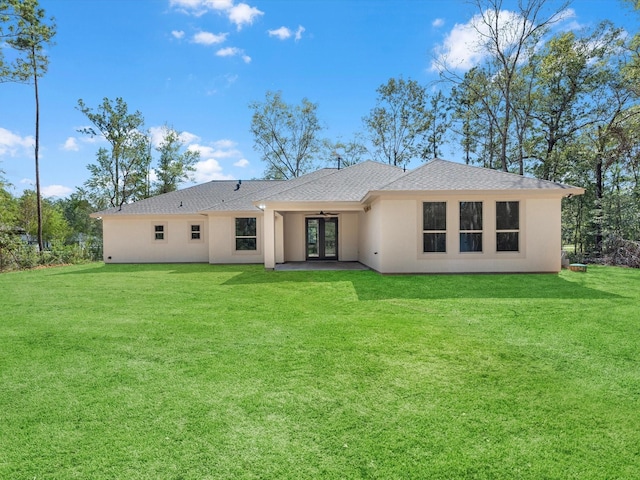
439, 175
194, 199
350, 184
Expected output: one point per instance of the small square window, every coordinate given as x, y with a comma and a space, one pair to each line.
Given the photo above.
159, 232
195, 232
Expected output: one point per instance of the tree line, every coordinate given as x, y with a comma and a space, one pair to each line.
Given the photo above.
561, 106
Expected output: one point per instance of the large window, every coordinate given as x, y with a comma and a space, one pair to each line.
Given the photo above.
246, 234
471, 226
507, 226
434, 226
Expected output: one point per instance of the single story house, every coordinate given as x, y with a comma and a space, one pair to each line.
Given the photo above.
440, 217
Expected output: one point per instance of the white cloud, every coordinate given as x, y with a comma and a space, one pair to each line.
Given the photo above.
233, 52
459, 49
225, 143
243, 14
438, 22
465, 46
243, 162
27, 181
56, 191
157, 135
12, 144
209, 166
282, 33
71, 145
208, 38
240, 14
210, 169
188, 138
177, 34
219, 150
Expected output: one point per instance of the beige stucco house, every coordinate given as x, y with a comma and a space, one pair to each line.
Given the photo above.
440, 217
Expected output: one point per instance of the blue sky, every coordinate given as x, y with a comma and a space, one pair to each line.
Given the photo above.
197, 64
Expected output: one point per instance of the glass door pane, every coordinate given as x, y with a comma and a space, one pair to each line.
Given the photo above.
313, 231
330, 237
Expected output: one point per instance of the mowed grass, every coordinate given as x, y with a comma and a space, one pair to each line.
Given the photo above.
207, 372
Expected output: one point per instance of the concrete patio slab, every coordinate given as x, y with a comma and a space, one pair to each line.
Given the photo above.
320, 265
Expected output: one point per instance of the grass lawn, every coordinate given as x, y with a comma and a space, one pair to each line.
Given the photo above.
206, 372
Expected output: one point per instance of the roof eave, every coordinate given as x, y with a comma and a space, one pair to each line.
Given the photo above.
564, 191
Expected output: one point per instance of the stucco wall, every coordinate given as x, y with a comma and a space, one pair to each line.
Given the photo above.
370, 236
399, 248
348, 237
132, 240
222, 243
294, 237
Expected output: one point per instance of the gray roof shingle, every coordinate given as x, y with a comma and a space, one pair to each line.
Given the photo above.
349, 184
439, 175
194, 199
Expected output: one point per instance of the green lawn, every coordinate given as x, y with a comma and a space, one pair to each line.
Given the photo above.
203, 372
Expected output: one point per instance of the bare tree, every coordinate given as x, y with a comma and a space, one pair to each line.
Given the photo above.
286, 135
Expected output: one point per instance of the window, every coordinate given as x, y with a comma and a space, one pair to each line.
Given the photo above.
158, 232
434, 226
195, 232
470, 226
246, 234
507, 226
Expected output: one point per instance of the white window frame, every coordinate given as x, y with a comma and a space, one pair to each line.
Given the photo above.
480, 231
200, 232
509, 230
428, 231
164, 232
237, 237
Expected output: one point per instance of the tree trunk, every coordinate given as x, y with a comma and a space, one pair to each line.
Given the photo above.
37, 150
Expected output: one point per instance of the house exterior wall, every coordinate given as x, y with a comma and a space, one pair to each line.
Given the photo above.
222, 240
348, 237
399, 247
294, 243
132, 239
370, 236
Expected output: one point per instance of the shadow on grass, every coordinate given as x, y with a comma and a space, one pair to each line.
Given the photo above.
370, 285
165, 268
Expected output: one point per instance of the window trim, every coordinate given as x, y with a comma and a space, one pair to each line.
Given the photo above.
509, 230
480, 231
155, 232
236, 236
200, 232
426, 231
